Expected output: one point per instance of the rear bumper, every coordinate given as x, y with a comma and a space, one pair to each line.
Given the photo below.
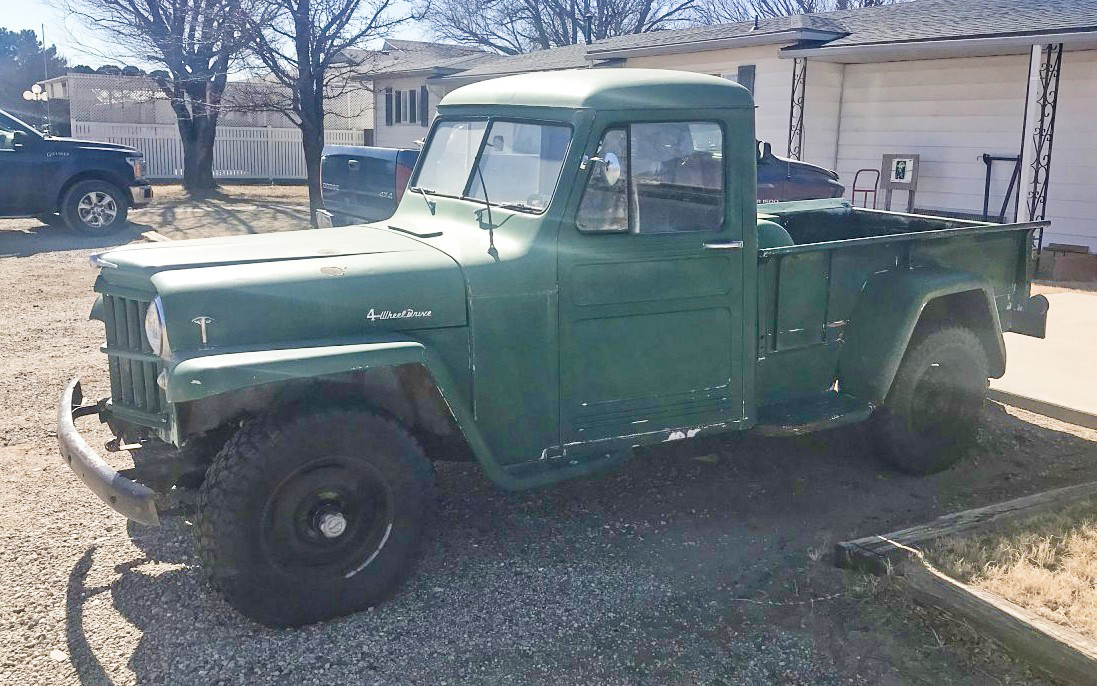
1031, 320
135, 501
140, 195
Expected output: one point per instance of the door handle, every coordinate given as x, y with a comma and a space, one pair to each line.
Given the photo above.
724, 245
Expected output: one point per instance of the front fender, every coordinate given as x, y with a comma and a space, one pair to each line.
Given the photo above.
204, 376
884, 320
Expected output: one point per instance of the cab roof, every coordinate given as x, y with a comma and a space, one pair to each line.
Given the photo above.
604, 89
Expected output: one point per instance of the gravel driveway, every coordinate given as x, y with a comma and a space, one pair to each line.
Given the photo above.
706, 563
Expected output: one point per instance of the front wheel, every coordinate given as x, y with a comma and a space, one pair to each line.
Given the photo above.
305, 516
95, 207
932, 414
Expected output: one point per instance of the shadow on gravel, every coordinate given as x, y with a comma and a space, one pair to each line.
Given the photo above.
704, 562
83, 657
44, 238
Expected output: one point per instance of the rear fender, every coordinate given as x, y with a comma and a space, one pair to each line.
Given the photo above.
891, 306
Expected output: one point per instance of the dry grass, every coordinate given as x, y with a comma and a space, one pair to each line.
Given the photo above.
1046, 564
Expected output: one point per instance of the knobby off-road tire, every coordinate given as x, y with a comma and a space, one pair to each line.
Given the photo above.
311, 514
932, 414
95, 208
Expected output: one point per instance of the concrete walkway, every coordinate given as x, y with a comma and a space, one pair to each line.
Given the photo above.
1055, 376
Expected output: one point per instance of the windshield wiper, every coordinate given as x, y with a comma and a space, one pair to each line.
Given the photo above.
521, 207
423, 191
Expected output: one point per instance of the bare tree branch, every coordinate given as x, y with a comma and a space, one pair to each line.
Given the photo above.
302, 47
197, 42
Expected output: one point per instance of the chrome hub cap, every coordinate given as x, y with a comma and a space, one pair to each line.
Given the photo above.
97, 209
332, 524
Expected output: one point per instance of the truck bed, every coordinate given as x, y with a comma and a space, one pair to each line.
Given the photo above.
808, 290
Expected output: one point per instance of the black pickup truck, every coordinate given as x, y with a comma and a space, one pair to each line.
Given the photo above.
364, 184
91, 185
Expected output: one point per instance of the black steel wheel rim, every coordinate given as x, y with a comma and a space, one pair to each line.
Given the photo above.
328, 518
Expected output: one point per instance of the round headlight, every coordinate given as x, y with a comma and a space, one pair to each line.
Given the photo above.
154, 327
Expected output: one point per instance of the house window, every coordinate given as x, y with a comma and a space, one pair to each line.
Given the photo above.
745, 77
388, 107
413, 107
656, 178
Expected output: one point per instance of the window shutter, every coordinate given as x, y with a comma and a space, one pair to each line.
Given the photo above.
399, 106
424, 108
413, 108
745, 77
388, 107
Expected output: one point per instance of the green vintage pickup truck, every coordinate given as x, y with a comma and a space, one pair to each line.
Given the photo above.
578, 269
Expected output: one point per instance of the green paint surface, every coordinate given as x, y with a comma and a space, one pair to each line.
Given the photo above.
558, 350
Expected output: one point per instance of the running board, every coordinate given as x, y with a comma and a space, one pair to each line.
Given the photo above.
812, 413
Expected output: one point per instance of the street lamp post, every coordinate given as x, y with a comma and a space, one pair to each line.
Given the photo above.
38, 94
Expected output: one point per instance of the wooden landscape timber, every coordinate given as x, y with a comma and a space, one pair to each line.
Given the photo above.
1058, 651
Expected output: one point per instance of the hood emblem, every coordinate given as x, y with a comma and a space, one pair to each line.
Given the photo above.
409, 313
202, 323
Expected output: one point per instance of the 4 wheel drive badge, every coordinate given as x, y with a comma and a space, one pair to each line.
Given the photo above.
409, 313
202, 323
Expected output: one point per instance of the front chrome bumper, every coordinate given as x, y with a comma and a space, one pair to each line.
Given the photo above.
325, 219
136, 501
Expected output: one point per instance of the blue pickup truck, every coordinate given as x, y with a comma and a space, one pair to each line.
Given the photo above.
363, 184
89, 185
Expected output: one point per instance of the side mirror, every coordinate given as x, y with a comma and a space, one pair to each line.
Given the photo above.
767, 150
611, 169
609, 164
19, 140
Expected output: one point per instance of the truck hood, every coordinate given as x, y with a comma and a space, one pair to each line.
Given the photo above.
291, 287
76, 143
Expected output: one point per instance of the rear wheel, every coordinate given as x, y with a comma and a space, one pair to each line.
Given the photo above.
311, 515
932, 413
95, 207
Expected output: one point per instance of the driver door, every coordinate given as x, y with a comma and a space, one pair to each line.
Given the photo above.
25, 184
651, 334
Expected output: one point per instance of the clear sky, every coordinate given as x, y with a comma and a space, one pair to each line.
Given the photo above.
76, 42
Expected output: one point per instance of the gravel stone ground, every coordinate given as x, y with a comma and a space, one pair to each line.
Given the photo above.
703, 563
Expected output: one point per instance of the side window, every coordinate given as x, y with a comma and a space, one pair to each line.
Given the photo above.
678, 177
605, 201
666, 177
7, 139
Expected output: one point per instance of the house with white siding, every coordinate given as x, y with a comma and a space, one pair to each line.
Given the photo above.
399, 71
967, 85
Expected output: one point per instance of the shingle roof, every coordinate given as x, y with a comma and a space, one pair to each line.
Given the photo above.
919, 20
567, 57
407, 55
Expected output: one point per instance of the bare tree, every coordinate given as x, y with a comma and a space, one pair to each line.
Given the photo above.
719, 11
197, 42
515, 26
306, 50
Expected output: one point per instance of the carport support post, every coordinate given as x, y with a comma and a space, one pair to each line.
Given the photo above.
1041, 103
796, 108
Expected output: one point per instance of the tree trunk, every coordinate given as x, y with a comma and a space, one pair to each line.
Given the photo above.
198, 136
312, 139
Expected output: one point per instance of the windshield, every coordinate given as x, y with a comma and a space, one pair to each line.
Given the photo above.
10, 123
519, 162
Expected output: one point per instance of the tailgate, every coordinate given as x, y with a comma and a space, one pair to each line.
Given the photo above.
359, 182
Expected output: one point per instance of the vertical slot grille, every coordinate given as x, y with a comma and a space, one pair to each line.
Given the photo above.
132, 374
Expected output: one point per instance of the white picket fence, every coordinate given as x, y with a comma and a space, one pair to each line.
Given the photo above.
238, 153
